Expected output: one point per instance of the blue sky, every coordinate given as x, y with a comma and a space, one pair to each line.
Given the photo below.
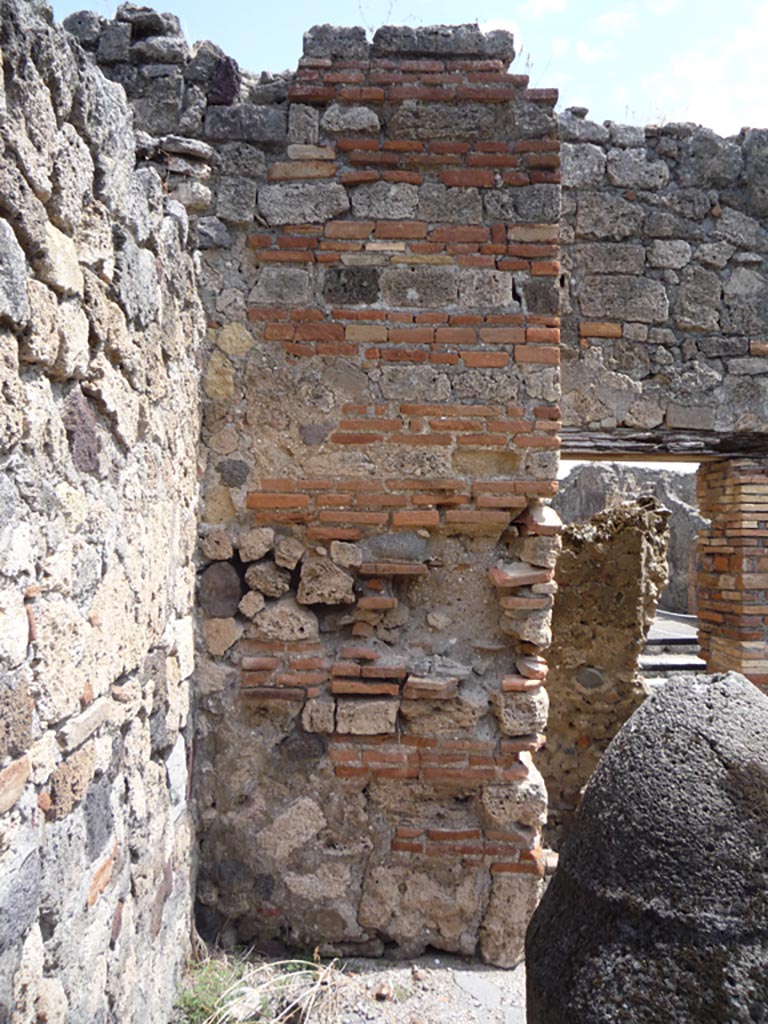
640, 61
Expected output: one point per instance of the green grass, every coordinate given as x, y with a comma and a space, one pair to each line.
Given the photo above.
233, 988
205, 985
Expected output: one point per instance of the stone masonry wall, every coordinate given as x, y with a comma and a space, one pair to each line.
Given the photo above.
379, 269
99, 323
665, 330
610, 574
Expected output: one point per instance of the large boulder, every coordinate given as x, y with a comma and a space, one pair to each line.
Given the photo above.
659, 908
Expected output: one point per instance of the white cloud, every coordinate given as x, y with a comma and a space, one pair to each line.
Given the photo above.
589, 54
538, 8
722, 87
616, 23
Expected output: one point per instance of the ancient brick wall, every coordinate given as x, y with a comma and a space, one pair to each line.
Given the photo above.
733, 567
665, 333
99, 322
377, 247
378, 237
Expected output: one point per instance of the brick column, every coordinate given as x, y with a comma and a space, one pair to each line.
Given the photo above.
391, 393
733, 567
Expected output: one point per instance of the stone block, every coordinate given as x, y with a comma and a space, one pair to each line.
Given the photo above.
366, 716
236, 200
346, 120
438, 203
630, 168
419, 286
707, 161
669, 254
755, 156
255, 543
282, 286
582, 164
220, 635
288, 552
608, 258
77, 730
624, 298
521, 713
114, 44
13, 780
514, 897
303, 125
532, 204
219, 590
386, 201
159, 50
602, 215
269, 579
58, 264
486, 289
351, 286
697, 306
285, 621
329, 41
324, 582
413, 119
246, 123
302, 202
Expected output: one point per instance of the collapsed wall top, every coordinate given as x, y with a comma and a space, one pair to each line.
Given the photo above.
329, 42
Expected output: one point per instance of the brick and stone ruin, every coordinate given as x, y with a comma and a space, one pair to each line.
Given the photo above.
281, 421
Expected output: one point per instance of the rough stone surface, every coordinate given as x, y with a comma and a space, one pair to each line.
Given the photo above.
661, 226
380, 371
625, 927
609, 575
101, 324
592, 487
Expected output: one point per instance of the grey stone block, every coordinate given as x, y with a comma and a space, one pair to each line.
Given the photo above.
236, 200
698, 300
601, 215
443, 40
707, 161
486, 288
282, 286
582, 164
386, 201
624, 298
160, 49
302, 202
338, 120
303, 124
114, 44
630, 168
14, 303
669, 254
419, 286
607, 258
531, 204
438, 203
243, 123
416, 120
331, 41
351, 286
